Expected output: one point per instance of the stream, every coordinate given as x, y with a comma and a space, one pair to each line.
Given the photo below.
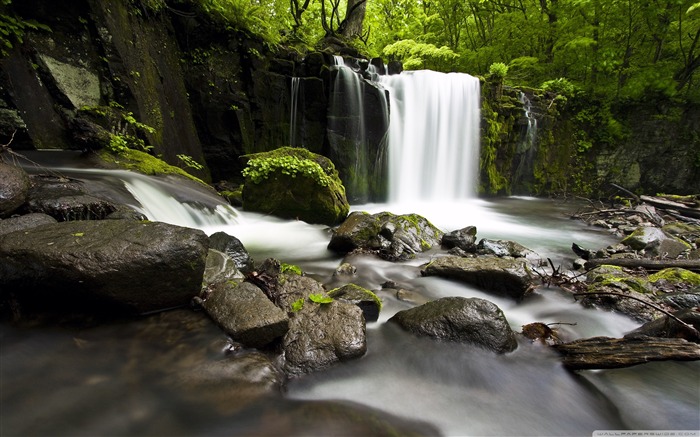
128, 378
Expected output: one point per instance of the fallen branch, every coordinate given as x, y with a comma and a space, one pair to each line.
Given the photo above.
648, 264
612, 353
667, 204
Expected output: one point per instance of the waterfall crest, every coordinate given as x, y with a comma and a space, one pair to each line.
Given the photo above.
433, 135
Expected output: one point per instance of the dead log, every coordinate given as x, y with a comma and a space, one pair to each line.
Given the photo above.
613, 353
647, 264
668, 204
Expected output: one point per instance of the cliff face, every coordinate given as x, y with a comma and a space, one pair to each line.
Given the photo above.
214, 94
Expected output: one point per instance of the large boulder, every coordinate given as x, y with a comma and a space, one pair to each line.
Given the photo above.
245, 313
294, 183
505, 276
393, 237
13, 189
114, 265
466, 320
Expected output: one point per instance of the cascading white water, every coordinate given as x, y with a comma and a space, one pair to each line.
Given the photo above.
433, 135
294, 108
531, 132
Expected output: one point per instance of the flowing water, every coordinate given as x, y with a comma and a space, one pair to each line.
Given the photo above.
123, 379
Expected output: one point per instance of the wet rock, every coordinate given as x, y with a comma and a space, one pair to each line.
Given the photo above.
612, 279
466, 320
505, 276
65, 200
655, 242
108, 265
667, 327
322, 334
345, 269
245, 313
393, 237
463, 239
232, 247
13, 189
503, 248
219, 268
366, 300
23, 222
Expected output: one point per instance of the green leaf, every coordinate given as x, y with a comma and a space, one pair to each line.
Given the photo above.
319, 298
78, 234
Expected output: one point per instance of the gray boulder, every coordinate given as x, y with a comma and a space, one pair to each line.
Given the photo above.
667, 327
322, 334
465, 320
245, 313
13, 189
121, 265
505, 276
464, 239
655, 242
232, 247
506, 248
393, 237
23, 222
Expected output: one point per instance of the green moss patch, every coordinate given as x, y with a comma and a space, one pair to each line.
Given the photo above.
144, 163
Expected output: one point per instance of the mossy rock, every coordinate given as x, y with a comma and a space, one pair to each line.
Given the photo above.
294, 183
144, 163
369, 303
675, 276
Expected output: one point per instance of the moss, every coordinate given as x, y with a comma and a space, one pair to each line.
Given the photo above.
144, 163
355, 292
615, 277
676, 275
290, 268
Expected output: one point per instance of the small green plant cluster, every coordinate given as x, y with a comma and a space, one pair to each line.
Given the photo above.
125, 130
561, 86
318, 298
290, 268
259, 169
498, 71
188, 161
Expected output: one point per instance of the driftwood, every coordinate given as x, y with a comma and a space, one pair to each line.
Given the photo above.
648, 264
668, 204
612, 353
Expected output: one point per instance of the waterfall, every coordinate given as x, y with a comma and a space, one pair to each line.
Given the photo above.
527, 148
433, 135
357, 122
294, 107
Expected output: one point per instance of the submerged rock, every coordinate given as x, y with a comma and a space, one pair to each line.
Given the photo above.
13, 189
505, 276
393, 237
466, 320
112, 265
65, 200
219, 268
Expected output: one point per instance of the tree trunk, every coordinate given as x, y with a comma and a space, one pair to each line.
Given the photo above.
354, 17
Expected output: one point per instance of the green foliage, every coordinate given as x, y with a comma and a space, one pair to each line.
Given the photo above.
259, 169
561, 86
13, 28
126, 132
417, 55
262, 19
320, 298
290, 268
189, 162
298, 305
142, 162
498, 71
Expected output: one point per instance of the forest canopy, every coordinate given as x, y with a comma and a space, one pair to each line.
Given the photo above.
639, 49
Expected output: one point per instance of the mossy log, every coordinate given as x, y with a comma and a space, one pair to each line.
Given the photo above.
612, 353
648, 264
